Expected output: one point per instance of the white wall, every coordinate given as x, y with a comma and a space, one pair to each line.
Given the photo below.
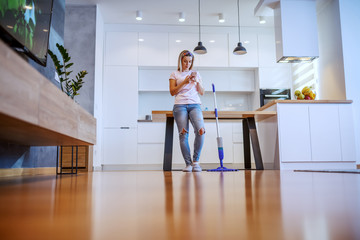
349, 20
98, 109
331, 64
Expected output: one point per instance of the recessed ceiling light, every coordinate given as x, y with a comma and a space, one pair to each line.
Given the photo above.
9, 26
45, 30
138, 15
221, 18
212, 41
246, 41
28, 7
178, 41
182, 17
141, 40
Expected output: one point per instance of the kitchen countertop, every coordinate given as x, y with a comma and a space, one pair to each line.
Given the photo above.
301, 101
160, 116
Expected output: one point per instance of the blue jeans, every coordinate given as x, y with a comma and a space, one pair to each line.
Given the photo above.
182, 114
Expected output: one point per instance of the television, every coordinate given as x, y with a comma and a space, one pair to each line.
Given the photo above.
25, 26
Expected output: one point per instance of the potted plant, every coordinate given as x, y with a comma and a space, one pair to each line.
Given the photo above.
70, 86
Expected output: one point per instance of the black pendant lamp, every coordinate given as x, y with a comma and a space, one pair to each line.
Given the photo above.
239, 50
200, 49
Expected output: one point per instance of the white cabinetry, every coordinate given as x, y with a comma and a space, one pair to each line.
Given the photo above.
120, 146
217, 51
294, 132
121, 48
316, 136
179, 42
325, 132
153, 49
266, 49
120, 96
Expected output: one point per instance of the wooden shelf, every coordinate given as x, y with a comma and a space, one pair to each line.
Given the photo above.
35, 112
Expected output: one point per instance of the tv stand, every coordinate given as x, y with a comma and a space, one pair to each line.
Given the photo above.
34, 112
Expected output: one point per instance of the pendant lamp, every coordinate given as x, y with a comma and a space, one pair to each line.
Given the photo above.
239, 50
200, 49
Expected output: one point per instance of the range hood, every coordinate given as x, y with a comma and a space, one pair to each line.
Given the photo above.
296, 35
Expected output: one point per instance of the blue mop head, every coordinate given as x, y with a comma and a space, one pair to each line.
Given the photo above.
222, 169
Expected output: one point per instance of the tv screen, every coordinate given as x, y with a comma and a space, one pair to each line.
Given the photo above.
25, 26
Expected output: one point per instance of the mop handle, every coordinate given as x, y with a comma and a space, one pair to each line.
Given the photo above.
218, 139
216, 113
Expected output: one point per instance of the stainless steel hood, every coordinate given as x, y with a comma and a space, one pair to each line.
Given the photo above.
296, 35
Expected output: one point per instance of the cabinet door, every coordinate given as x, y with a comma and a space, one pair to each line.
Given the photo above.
348, 147
120, 146
267, 50
179, 42
120, 96
121, 48
249, 41
294, 133
230, 80
217, 51
325, 132
153, 49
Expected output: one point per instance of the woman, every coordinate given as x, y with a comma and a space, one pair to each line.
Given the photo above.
186, 85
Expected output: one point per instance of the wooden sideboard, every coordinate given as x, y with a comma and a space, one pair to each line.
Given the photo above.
34, 112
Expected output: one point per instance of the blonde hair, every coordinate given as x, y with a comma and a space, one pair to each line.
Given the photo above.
185, 53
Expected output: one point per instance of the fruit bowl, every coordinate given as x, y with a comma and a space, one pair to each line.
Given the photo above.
305, 94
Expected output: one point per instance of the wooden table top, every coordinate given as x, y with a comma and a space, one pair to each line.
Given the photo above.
160, 116
269, 104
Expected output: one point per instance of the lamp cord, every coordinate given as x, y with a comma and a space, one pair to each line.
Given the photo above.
199, 23
238, 8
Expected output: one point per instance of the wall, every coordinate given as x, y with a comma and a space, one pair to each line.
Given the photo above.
98, 108
16, 156
331, 64
349, 18
79, 40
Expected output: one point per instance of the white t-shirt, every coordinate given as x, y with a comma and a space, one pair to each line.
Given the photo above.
188, 94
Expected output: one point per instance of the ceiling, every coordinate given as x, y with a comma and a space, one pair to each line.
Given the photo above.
167, 12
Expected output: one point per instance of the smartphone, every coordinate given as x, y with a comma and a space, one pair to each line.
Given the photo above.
193, 74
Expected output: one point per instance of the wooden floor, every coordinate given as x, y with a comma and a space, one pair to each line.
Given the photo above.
176, 205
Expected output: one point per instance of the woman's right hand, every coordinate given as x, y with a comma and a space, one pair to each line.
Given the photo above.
187, 79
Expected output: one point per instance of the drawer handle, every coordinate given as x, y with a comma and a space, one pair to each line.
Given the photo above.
124, 127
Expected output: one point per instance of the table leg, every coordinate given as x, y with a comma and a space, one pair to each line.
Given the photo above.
246, 143
255, 143
168, 149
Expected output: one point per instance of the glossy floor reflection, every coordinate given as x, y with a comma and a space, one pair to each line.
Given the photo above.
176, 205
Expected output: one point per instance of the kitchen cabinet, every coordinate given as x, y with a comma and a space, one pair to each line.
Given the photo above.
120, 96
121, 48
266, 49
231, 80
217, 51
120, 146
325, 132
179, 42
314, 135
153, 49
250, 42
151, 143
294, 132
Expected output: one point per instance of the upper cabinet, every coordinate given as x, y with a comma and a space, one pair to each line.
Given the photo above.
153, 49
179, 42
267, 52
250, 42
217, 51
121, 48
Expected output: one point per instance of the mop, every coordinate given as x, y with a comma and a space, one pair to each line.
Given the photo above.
219, 142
